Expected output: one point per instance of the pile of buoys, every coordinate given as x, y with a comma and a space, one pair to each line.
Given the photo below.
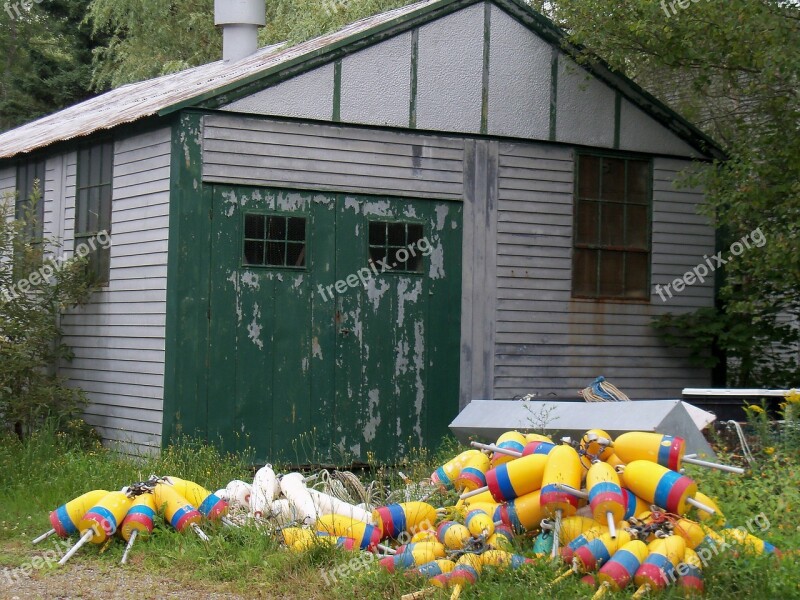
99, 515
617, 512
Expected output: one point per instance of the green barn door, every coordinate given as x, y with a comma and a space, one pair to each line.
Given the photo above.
267, 373
324, 346
397, 334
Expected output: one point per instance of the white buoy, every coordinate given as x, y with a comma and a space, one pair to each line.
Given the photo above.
328, 505
265, 490
294, 488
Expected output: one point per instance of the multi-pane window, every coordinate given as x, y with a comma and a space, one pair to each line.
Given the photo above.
93, 205
611, 252
274, 241
30, 176
396, 245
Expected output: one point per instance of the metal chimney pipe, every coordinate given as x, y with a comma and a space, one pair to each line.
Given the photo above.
240, 20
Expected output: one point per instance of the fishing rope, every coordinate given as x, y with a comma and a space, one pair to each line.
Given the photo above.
602, 390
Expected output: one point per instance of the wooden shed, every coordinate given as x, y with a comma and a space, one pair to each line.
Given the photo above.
325, 250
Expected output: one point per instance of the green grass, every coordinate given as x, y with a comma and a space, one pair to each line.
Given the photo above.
50, 468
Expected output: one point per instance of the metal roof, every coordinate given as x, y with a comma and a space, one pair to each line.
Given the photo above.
136, 101
210, 85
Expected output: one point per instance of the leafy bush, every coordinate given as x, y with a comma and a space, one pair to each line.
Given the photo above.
35, 287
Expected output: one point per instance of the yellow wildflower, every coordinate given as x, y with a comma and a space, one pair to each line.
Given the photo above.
793, 396
769, 450
755, 409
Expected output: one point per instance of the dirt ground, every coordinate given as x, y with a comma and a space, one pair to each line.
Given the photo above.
91, 581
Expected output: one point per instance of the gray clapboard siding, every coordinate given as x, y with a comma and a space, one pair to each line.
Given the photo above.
8, 185
118, 338
325, 157
547, 341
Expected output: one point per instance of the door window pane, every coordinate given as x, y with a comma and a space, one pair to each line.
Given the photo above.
397, 245
274, 241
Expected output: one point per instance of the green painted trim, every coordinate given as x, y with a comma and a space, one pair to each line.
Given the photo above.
189, 254
337, 91
617, 122
553, 92
487, 39
595, 65
320, 56
412, 105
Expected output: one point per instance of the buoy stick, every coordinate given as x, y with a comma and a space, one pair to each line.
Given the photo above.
200, 533
612, 527
386, 549
710, 465
420, 594
475, 492
228, 523
498, 449
685, 456
601, 591
86, 537
44, 536
456, 592
556, 532
132, 539
562, 577
700, 506
641, 591
572, 491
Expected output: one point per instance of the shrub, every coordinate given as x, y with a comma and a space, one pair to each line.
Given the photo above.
35, 286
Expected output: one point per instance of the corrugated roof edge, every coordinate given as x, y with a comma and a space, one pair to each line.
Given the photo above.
200, 87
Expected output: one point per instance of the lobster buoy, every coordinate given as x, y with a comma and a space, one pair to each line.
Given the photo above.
453, 535
665, 450
211, 506
717, 519
618, 572
503, 559
178, 511
238, 493
294, 488
510, 440
605, 495
748, 541
66, 517
634, 506
138, 521
690, 574
328, 505
524, 513
440, 566
473, 473
395, 519
660, 486
563, 467
598, 551
446, 475
517, 478
479, 523
367, 536
265, 491
413, 555
501, 539
658, 569
101, 521
568, 551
